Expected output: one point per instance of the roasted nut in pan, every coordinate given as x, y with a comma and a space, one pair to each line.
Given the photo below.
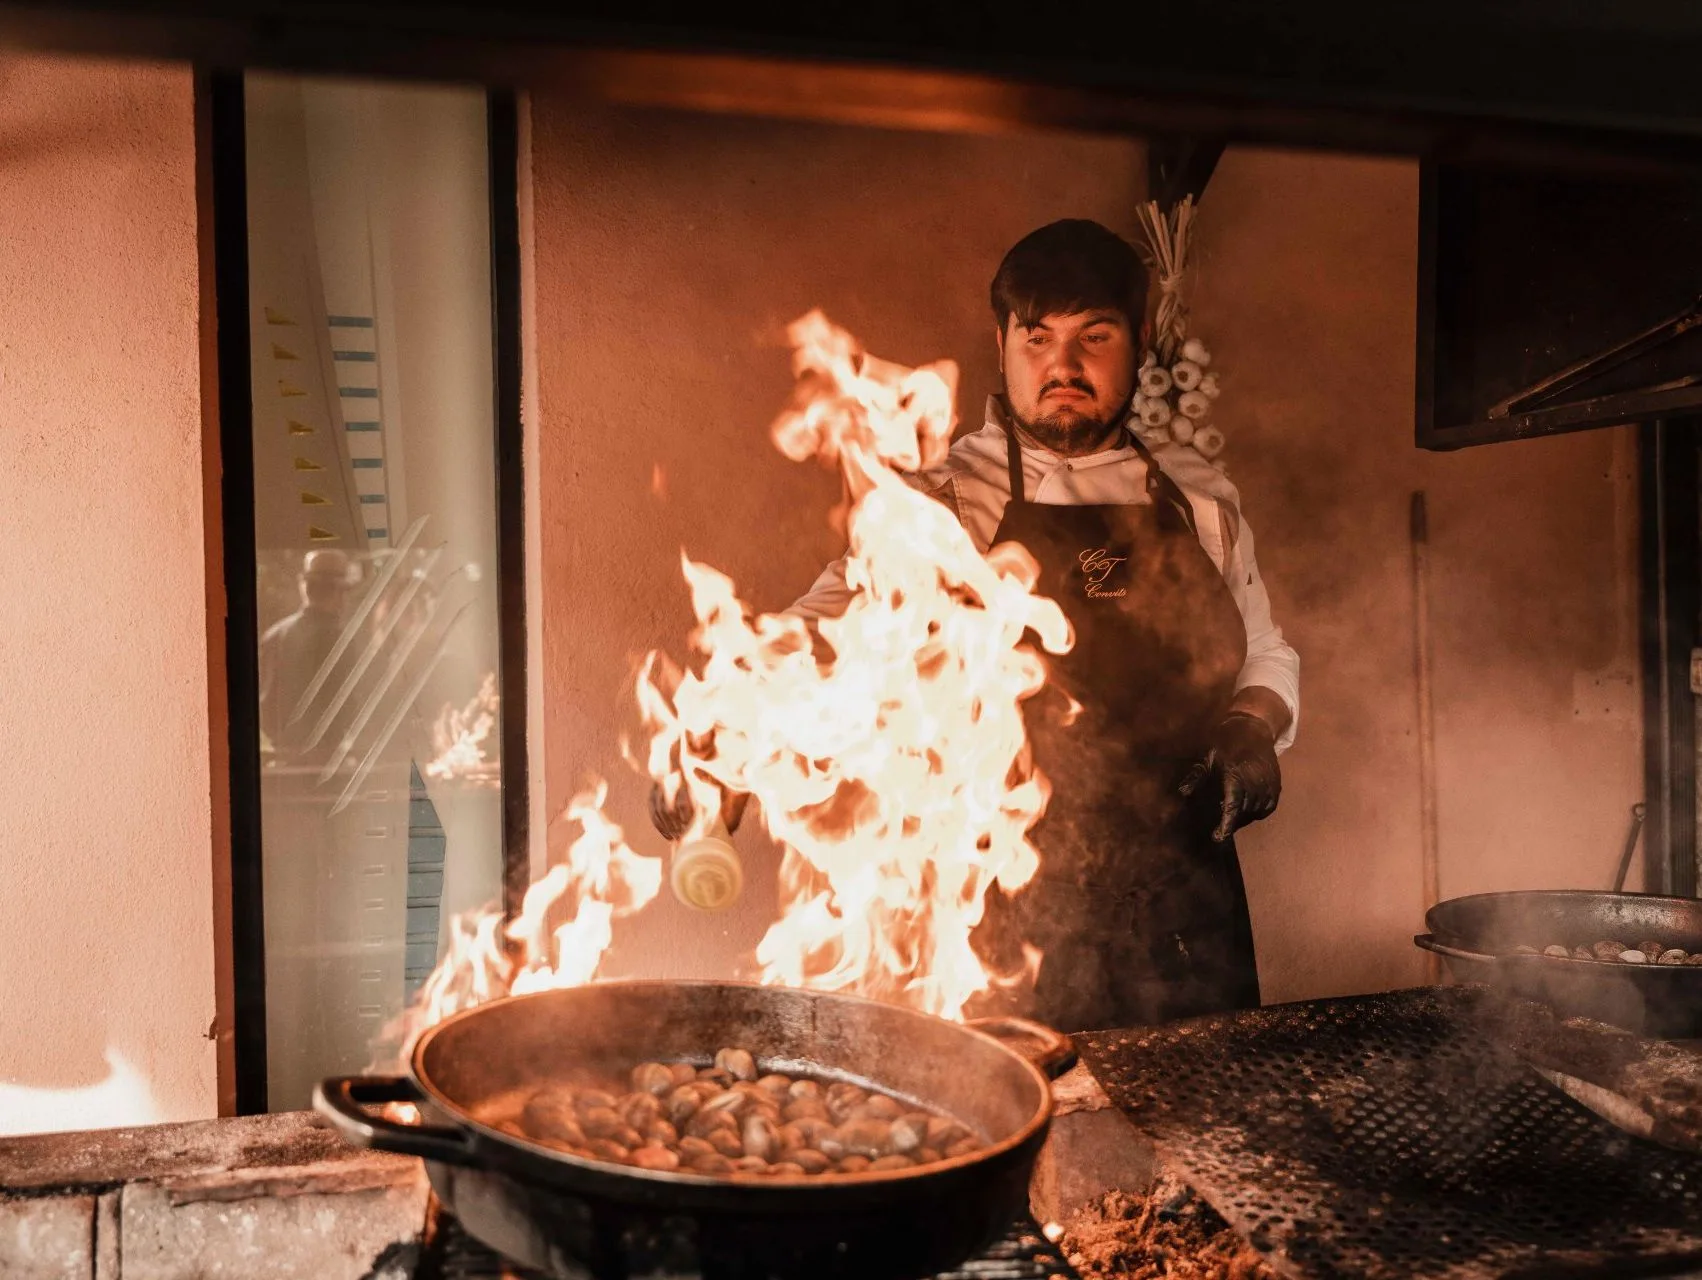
640, 1110
1583, 953
726, 1119
1672, 955
660, 1159
1651, 950
872, 1138
1555, 949
908, 1133
550, 1114
601, 1122
1608, 950
805, 1108
760, 1137
653, 1078
681, 1104
1695, 958
737, 1063
1634, 957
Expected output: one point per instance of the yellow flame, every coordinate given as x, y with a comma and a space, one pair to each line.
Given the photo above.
893, 767
601, 880
460, 733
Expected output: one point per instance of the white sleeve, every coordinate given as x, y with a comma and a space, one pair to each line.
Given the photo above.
1271, 662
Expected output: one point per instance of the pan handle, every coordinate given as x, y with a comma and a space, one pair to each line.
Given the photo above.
1428, 942
346, 1101
1052, 1051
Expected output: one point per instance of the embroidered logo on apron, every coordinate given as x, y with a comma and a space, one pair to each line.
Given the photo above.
1097, 566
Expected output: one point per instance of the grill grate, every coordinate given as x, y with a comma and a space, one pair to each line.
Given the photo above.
1021, 1254
1390, 1136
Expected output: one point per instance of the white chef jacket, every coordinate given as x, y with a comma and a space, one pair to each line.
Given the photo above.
975, 481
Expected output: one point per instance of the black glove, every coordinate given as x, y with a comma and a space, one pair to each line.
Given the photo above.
1243, 755
671, 820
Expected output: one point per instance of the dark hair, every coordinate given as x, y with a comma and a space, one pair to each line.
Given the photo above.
1068, 266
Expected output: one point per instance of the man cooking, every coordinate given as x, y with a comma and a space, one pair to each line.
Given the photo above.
1186, 688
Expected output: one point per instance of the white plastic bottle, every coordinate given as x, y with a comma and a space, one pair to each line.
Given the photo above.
706, 872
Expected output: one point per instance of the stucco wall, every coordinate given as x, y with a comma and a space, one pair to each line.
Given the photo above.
106, 946
1306, 296
669, 252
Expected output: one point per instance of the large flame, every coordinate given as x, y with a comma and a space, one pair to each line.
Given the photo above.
891, 761
886, 748
565, 924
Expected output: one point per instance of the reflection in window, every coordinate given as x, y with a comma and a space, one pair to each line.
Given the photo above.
375, 528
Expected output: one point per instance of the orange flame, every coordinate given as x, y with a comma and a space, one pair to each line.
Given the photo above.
601, 880
459, 735
894, 768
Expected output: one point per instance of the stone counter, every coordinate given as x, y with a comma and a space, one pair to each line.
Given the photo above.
277, 1196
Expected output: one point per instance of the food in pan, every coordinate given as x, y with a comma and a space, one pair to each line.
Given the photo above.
731, 1119
1645, 952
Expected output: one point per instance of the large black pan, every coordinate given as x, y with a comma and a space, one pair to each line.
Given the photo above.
577, 1218
1477, 934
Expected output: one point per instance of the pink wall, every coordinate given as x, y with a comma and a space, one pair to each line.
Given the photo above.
669, 252
1306, 296
670, 249
106, 916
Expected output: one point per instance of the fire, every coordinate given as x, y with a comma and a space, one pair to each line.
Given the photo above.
889, 756
892, 767
601, 880
459, 735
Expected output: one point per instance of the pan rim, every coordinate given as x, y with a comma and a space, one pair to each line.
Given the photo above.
790, 1187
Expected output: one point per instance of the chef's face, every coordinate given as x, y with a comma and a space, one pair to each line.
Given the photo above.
1068, 377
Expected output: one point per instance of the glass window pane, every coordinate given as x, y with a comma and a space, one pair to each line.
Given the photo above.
375, 528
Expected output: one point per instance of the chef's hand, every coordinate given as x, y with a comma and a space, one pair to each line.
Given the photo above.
672, 821
1243, 756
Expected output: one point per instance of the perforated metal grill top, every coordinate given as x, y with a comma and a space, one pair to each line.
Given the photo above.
1392, 1136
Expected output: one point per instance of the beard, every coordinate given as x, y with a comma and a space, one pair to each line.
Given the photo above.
1069, 431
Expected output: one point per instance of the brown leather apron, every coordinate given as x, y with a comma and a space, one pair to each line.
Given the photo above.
1141, 917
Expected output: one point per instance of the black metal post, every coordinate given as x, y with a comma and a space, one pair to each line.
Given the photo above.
502, 114
242, 643
1671, 590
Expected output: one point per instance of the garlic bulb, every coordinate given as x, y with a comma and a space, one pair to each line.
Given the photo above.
1182, 429
1156, 413
1209, 441
1155, 381
1186, 374
1195, 350
1195, 405
1208, 387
